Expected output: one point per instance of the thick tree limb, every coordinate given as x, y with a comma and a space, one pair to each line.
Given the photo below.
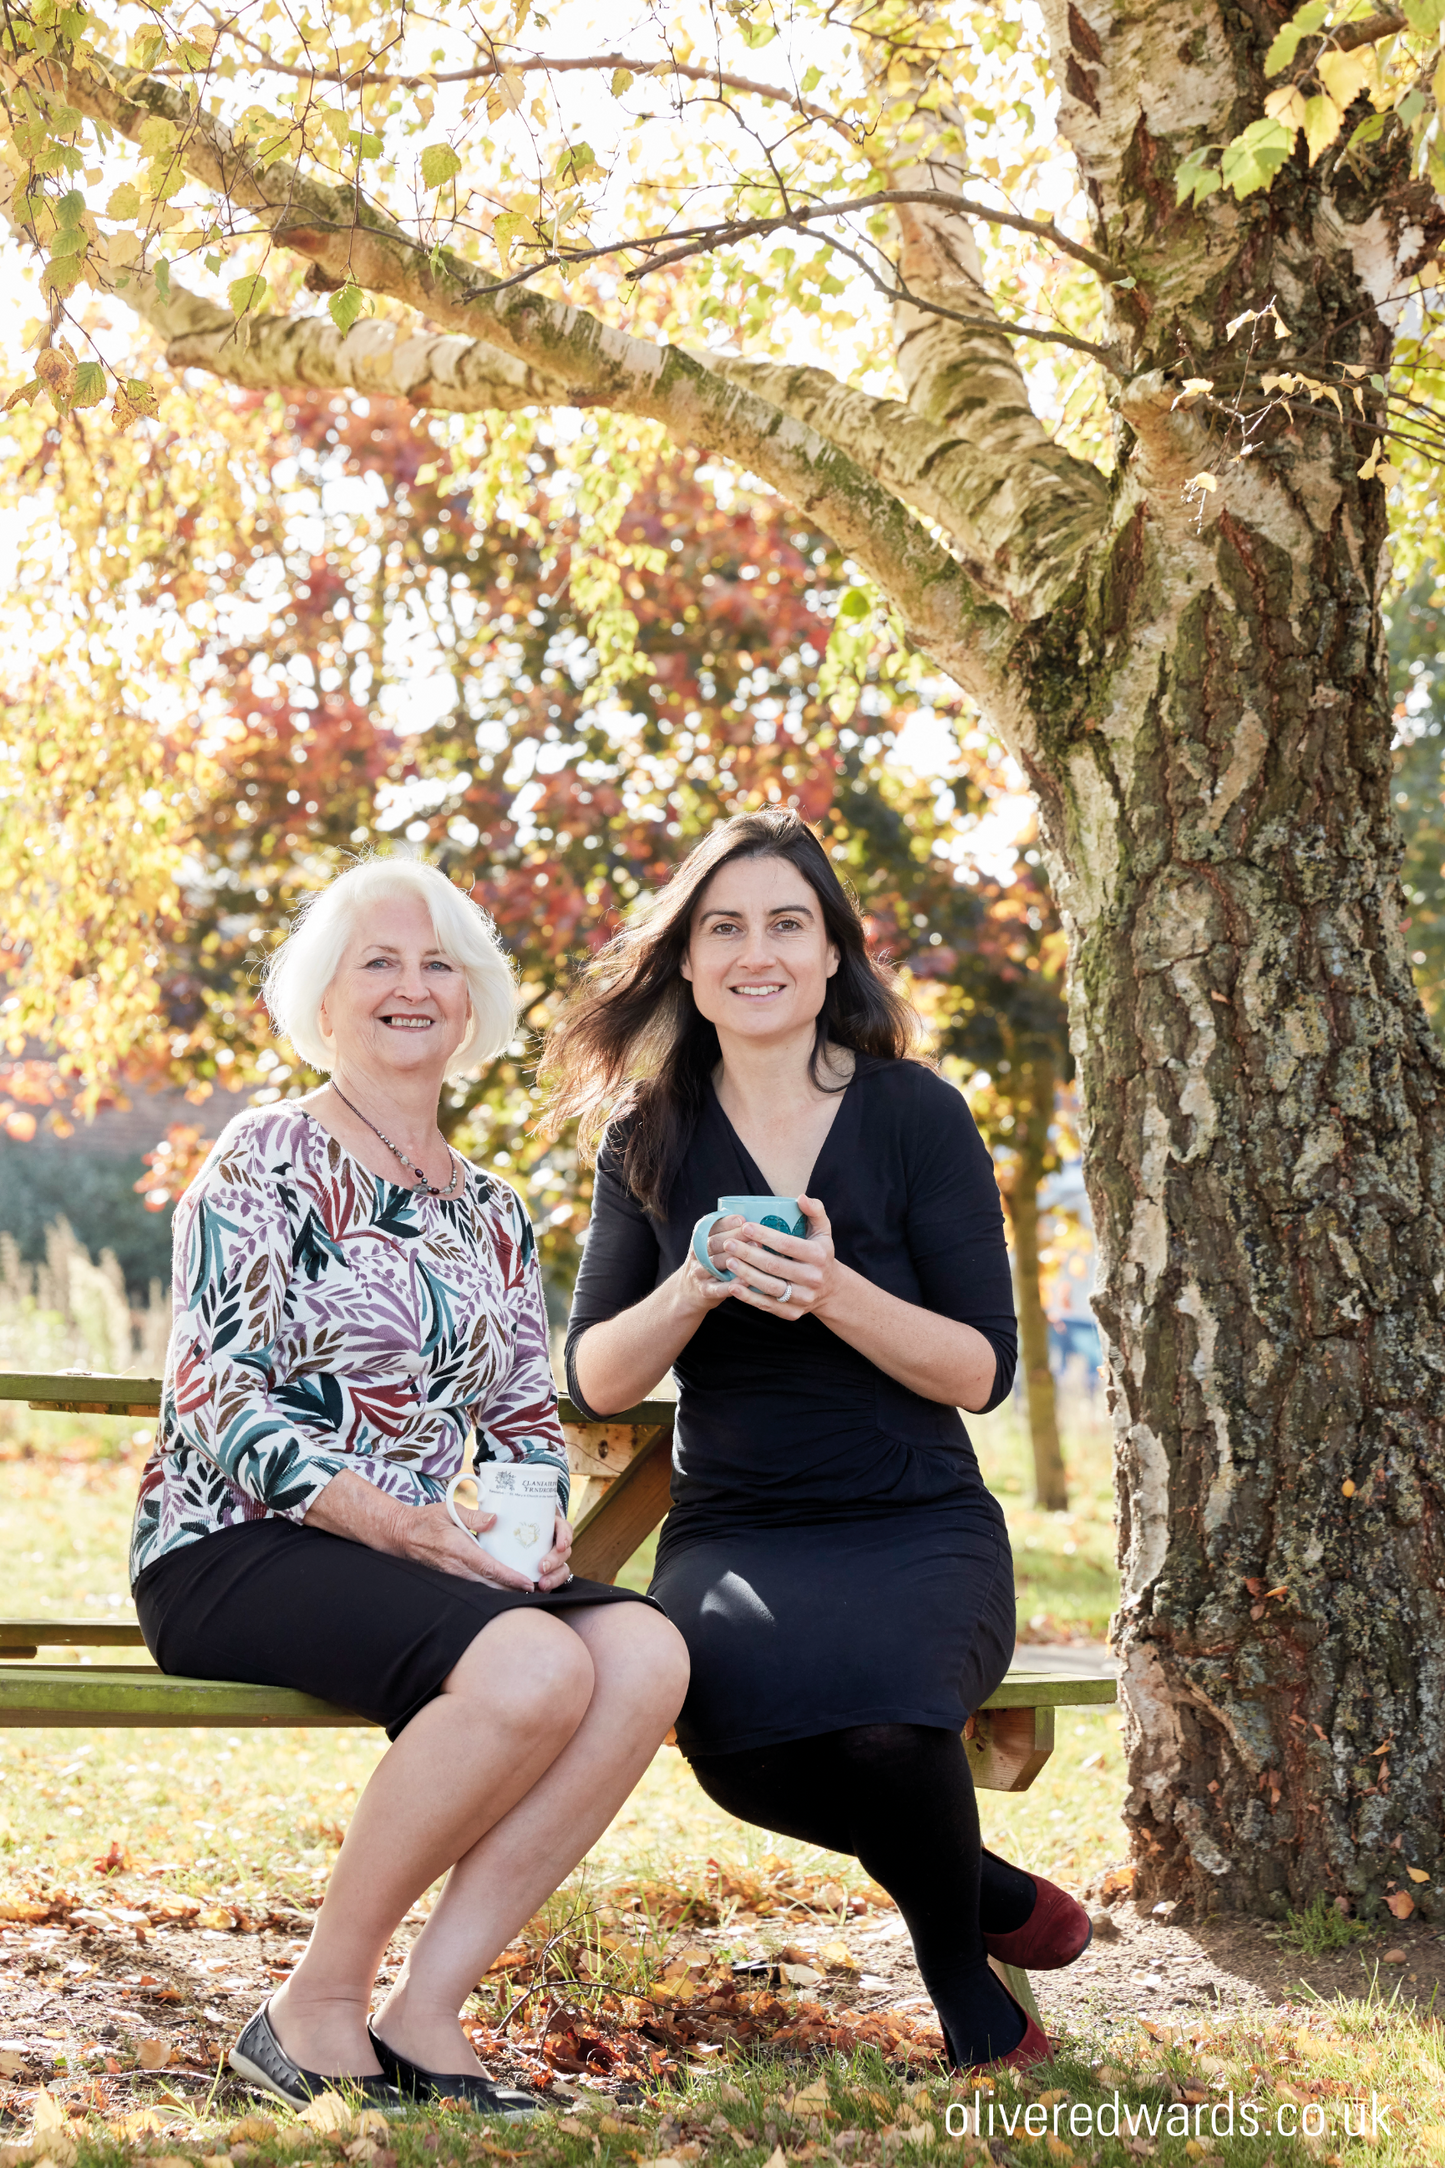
1024, 509
907, 453
597, 364
308, 353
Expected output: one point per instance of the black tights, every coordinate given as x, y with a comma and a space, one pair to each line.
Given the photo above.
899, 1798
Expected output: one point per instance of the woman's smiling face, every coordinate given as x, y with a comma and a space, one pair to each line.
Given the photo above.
758, 957
397, 1002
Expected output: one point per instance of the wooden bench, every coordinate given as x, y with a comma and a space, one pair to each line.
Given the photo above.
621, 1471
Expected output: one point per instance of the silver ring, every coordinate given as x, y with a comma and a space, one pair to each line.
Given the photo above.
787, 1294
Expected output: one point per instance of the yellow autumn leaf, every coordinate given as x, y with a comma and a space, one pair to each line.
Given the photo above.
1202, 481
1417, 1874
1323, 120
1193, 387
1344, 75
1402, 1904
1287, 105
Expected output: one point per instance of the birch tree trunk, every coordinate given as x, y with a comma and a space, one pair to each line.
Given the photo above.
1196, 689
1263, 1096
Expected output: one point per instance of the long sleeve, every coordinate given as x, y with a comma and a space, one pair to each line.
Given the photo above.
518, 1420
620, 1259
230, 1400
955, 1227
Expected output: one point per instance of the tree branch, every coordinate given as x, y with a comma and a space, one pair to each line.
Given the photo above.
701, 238
308, 353
1023, 507
535, 64
1020, 528
597, 365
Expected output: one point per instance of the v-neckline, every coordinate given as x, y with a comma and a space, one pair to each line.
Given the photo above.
754, 1171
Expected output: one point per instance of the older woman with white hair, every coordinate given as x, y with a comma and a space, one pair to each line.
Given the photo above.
353, 1301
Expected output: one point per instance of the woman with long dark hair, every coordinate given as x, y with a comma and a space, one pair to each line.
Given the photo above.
839, 1572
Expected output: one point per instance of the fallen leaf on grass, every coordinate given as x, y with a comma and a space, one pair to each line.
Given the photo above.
1402, 1904
251, 2130
328, 2115
153, 2054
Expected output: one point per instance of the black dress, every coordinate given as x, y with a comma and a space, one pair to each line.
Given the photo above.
832, 1557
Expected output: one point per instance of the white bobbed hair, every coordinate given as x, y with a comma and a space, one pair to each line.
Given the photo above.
299, 972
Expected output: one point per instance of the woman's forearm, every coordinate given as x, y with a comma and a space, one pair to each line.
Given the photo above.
350, 1506
620, 1361
935, 1356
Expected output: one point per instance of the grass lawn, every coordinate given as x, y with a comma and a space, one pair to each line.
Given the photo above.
217, 1846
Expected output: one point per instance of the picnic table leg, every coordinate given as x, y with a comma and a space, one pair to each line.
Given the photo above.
627, 1512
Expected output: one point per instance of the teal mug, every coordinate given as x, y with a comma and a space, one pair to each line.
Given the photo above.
779, 1212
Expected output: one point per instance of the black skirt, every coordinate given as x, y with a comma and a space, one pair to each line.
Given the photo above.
907, 1618
276, 1604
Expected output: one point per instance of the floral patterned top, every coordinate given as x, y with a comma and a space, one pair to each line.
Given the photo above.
327, 1319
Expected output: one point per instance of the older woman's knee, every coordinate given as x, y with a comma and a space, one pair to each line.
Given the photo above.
528, 1670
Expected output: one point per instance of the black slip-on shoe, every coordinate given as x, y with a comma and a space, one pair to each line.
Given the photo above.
467, 2087
260, 2059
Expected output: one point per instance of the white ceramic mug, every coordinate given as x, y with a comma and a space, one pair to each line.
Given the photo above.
523, 1496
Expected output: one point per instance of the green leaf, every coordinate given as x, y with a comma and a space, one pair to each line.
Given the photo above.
506, 226
1424, 16
855, 603
756, 35
622, 80
69, 241
69, 207
213, 262
1373, 125
1252, 160
89, 387
814, 77
364, 143
162, 275
345, 306
124, 202
1287, 40
1195, 179
248, 293
439, 164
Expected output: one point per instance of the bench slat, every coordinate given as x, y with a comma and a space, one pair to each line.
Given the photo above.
100, 1392
126, 1695
137, 1695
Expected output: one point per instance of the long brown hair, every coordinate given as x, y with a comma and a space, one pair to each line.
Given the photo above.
632, 1040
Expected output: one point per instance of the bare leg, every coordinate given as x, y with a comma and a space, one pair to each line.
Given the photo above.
505, 1712
640, 1665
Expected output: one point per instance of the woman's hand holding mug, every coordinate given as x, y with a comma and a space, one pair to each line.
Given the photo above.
787, 1275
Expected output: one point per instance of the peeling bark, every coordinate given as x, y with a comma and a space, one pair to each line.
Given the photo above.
1265, 1141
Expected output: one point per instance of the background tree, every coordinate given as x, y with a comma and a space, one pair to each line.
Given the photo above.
1417, 664
1175, 631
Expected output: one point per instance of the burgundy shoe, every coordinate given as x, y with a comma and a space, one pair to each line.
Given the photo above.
1056, 1932
1035, 2047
